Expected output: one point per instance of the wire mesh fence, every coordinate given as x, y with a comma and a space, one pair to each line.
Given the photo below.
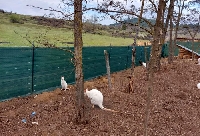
143, 53
32, 70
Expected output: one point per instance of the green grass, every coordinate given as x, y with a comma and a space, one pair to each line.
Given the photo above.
38, 33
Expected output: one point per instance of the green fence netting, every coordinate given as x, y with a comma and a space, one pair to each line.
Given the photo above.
15, 72
32, 70
143, 53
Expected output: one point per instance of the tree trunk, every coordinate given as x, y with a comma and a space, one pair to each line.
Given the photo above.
170, 57
170, 17
192, 48
78, 43
133, 61
154, 59
157, 39
178, 22
135, 39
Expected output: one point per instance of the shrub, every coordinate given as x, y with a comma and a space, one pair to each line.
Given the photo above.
2, 11
14, 18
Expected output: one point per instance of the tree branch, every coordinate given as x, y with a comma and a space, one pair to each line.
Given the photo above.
154, 5
121, 12
132, 24
52, 10
47, 45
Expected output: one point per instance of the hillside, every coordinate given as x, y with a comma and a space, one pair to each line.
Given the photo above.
16, 29
135, 21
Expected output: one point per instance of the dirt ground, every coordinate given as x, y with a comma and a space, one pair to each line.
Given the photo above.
174, 108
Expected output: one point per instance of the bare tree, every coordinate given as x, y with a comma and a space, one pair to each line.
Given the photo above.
192, 24
155, 54
78, 44
135, 38
117, 11
76, 16
177, 17
171, 31
170, 57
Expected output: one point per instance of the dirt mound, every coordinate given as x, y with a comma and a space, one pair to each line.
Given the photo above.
174, 106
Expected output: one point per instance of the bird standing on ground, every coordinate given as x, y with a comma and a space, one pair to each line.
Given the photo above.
143, 64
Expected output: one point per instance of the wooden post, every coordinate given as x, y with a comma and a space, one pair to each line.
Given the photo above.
108, 68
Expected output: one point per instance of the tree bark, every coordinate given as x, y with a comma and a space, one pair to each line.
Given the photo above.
78, 43
170, 57
192, 48
133, 61
154, 59
135, 38
157, 36
180, 8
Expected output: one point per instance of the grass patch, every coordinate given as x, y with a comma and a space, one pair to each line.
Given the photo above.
43, 34
57, 36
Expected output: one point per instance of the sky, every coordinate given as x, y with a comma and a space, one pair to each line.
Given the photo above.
20, 7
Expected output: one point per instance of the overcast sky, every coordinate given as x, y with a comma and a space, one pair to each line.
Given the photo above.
20, 7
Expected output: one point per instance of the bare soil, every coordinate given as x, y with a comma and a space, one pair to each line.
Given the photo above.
174, 107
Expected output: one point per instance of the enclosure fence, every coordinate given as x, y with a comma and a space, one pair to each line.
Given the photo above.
25, 70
